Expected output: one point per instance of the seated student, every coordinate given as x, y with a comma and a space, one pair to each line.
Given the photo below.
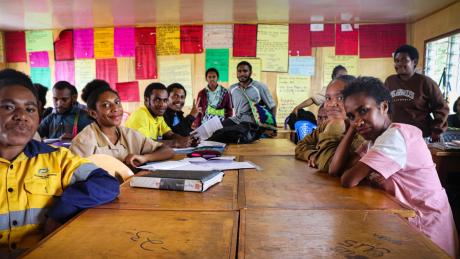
174, 116
396, 159
322, 115
149, 120
46, 185
453, 120
106, 136
319, 98
214, 100
319, 147
67, 119
415, 97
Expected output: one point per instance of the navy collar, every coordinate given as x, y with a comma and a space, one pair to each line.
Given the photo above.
34, 148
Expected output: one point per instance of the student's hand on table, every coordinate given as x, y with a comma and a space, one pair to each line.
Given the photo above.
311, 163
182, 142
50, 226
65, 136
435, 137
135, 160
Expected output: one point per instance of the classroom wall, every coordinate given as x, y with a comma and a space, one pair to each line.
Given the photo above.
377, 67
441, 22
2, 51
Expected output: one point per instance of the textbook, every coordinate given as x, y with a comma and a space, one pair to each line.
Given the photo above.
190, 181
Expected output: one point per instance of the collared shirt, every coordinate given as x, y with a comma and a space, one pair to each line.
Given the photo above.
55, 125
143, 121
93, 141
32, 185
257, 92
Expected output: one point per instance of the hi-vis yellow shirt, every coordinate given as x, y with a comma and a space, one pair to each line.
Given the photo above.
30, 184
151, 127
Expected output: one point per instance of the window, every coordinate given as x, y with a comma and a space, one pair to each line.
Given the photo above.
442, 61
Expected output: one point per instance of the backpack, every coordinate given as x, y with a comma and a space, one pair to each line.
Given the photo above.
242, 133
303, 124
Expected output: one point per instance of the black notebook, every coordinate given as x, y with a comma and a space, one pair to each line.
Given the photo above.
191, 181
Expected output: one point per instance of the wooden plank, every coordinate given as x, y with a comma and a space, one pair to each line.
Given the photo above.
330, 234
288, 183
222, 196
144, 234
280, 147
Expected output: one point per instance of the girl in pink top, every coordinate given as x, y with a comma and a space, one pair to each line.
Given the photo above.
395, 159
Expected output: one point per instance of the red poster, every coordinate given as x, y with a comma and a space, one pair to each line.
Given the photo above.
146, 63
299, 40
128, 91
63, 46
15, 46
191, 39
346, 40
380, 40
244, 40
394, 36
106, 69
146, 36
323, 38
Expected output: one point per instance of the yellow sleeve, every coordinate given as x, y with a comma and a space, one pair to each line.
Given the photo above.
73, 167
164, 128
139, 121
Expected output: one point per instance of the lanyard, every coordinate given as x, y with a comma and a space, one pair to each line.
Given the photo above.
75, 125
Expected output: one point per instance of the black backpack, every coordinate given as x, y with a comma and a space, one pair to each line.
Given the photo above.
242, 133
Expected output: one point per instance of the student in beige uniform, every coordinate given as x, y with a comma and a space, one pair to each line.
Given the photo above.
106, 136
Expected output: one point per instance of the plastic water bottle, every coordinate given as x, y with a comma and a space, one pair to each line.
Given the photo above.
303, 128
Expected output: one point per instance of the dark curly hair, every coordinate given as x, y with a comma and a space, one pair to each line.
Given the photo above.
11, 77
372, 87
91, 92
153, 86
61, 85
336, 70
455, 104
212, 69
244, 63
173, 86
409, 50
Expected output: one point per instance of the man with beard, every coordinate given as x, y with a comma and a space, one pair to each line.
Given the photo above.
67, 119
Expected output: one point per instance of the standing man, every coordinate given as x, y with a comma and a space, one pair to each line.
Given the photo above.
149, 119
256, 91
67, 118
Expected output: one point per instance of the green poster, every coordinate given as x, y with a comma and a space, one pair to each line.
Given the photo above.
218, 59
39, 40
41, 75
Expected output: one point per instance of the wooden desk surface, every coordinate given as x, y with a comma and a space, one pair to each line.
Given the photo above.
267, 147
288, 183
222, 196
330, 234
143, 234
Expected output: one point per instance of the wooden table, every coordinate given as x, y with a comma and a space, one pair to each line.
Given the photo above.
288, 183
281, 147
330, 234
143, 234
447, 166
223, 196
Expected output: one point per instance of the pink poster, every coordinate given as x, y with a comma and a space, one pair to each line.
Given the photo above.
65, 71
124, 41
83, 40
39, 59
106, 69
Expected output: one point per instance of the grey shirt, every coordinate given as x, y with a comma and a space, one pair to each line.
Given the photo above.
256, 91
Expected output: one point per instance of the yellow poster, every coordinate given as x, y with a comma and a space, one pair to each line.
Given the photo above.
103, 43
272, 47
168, 40
290, 90
177, 71
85, 71
330, 60
256, 67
